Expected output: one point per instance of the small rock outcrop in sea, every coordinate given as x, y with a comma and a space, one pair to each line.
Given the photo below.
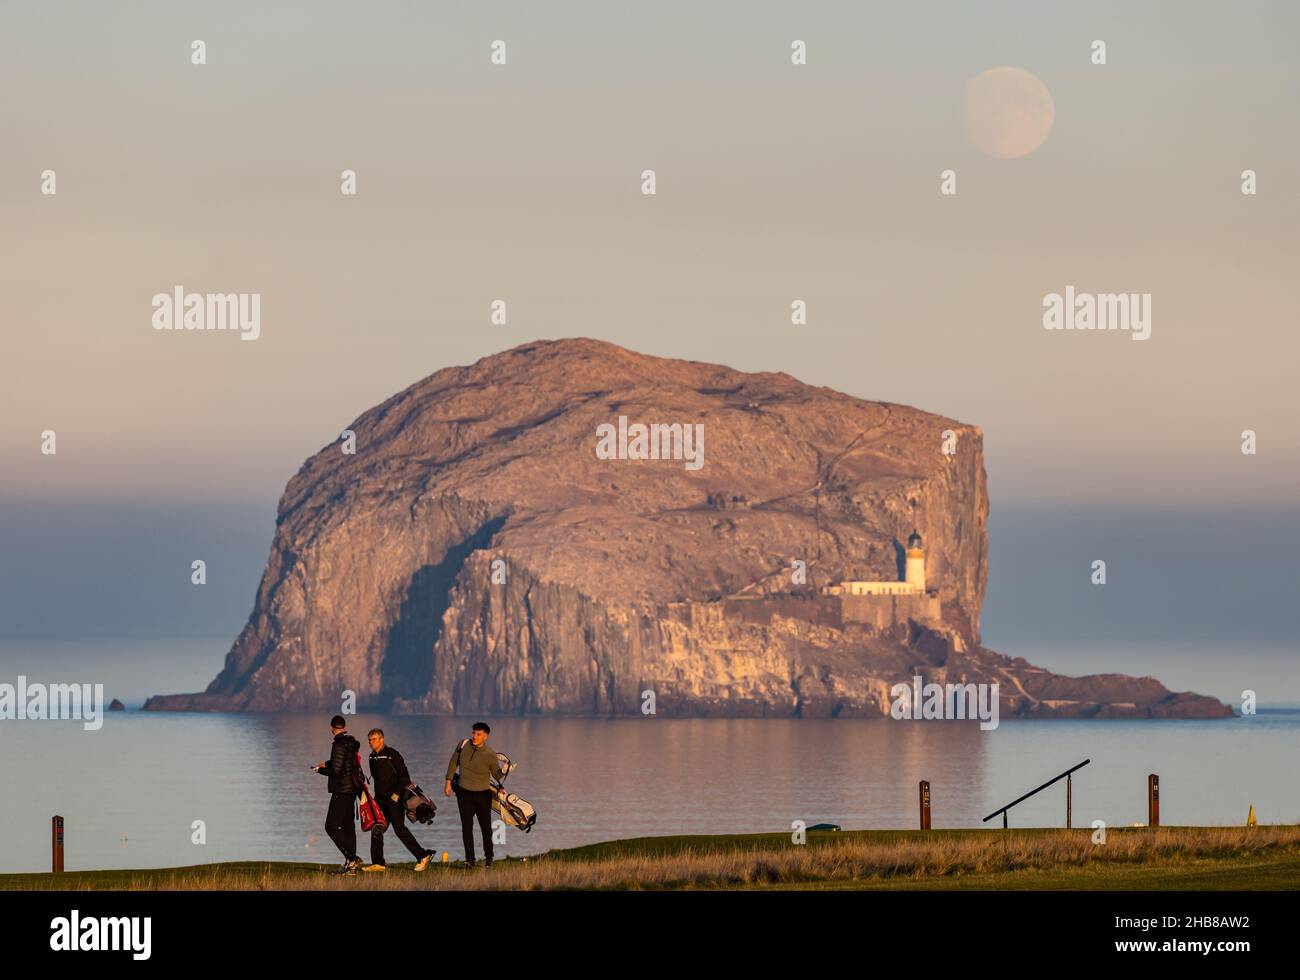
116, 705
476, 554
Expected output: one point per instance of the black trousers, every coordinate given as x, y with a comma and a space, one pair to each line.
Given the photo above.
475, 803
397, 820
341, 824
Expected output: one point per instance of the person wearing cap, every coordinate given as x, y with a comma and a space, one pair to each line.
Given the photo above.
343, 772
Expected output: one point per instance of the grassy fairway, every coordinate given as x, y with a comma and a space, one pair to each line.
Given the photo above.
1168, 858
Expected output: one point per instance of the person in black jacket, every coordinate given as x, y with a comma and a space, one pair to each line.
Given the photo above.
388, 770
344, 773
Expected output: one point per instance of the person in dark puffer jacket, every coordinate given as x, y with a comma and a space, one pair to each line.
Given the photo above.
343, 773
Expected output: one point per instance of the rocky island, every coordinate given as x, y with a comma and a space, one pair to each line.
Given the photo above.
563, 527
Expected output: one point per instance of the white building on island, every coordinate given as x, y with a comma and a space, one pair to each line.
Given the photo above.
913, 578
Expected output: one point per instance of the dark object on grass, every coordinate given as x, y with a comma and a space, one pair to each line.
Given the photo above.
825, 826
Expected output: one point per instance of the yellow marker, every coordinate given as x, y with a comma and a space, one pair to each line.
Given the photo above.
1250, 820
444, 857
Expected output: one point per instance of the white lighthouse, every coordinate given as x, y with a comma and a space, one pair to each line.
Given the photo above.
886, 604
915, 576
913, 583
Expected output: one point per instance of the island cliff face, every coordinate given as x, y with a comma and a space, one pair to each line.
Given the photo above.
476, 555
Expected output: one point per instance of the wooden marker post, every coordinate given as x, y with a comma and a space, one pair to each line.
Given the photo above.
56, 844
1153, 800
925, 804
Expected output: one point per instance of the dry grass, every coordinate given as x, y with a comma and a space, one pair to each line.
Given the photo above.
827, 860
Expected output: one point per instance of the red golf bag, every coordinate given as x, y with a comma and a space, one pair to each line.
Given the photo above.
372, 814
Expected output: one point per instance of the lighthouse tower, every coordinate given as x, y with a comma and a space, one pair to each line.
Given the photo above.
915, 563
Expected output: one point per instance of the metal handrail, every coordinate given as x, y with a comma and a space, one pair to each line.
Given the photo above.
1065, 775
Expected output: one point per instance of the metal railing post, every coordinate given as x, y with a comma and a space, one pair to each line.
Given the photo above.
1068, 795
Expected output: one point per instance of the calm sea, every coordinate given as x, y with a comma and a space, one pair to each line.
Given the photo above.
131, 791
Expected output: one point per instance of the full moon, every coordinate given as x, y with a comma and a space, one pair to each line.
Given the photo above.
1007, 112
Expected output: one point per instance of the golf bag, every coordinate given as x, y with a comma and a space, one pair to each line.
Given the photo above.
419, 808
372, 814
514, 810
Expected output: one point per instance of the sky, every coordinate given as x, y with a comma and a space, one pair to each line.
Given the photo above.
775, 182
